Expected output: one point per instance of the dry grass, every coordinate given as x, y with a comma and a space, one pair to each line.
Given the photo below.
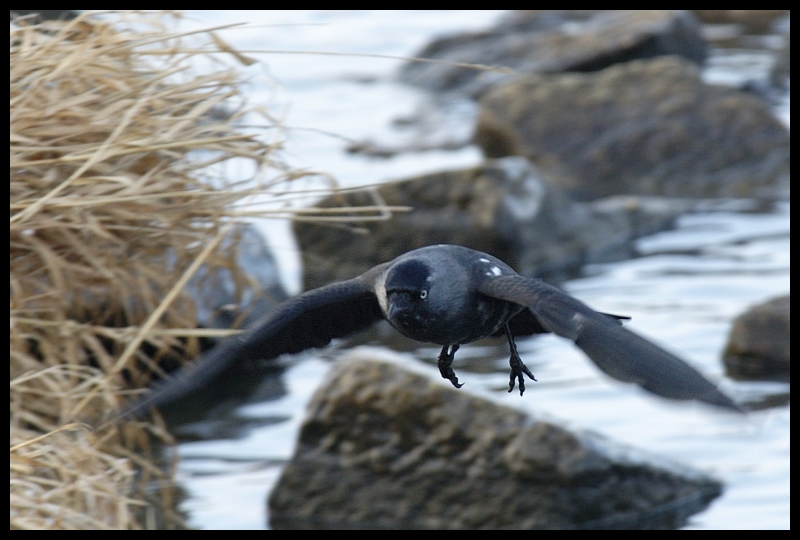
62, 480
117, 195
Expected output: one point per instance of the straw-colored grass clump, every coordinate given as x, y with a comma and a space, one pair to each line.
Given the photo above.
114, 140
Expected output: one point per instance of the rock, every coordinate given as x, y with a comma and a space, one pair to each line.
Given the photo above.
385, 448
779, 75
236, 296
502, 208
554, 41
35, 16
243, 287
754, 20
759, 342
645, 127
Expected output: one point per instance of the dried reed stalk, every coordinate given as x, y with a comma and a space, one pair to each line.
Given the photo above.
116, 150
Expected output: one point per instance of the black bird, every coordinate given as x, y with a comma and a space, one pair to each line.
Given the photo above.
448, 295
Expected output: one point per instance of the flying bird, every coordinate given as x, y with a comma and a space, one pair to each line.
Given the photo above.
448, 295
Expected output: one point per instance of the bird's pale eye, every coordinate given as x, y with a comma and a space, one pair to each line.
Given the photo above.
423, 294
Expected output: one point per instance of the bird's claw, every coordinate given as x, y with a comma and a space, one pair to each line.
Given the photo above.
451, 376
445, 361
517, 370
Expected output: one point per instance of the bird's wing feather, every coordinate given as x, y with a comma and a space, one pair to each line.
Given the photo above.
615, 350
525, 323
306, 321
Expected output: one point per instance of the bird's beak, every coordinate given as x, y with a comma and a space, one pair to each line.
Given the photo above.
394, 310
398, 305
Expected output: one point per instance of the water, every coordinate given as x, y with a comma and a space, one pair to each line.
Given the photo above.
683, 292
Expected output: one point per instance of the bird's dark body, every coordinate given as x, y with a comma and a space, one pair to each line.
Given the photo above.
463, 318
448, 295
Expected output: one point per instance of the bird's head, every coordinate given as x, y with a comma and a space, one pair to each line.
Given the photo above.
407, 293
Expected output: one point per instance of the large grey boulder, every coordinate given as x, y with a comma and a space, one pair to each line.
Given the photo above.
502, 207
649, 127
384, 448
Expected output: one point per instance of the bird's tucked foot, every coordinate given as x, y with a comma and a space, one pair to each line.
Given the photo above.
518, 367
445, 361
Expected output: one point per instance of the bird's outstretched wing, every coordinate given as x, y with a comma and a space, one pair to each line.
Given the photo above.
618, 352
306, 321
